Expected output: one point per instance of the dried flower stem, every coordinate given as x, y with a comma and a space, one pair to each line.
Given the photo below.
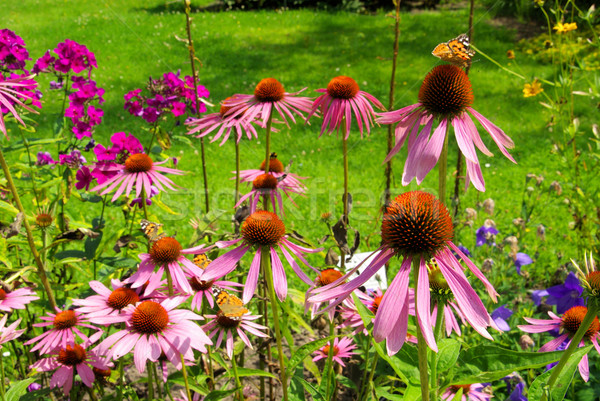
36, 256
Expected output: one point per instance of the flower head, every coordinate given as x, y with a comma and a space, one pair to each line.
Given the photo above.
470, 392
285, 179
265, 232
340, 100
71, 359
416, 227
269, 96
590, 278
269, 185
532, 89
445, 95
16, 299
15, 91
567, 326
225, 326
342, 348
153, 328
9, 333
565, 27
486, 234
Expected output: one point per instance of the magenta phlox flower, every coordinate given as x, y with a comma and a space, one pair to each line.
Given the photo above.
138, 201
269, 97
44, 159
44, 63
265, 232
73, 159
342, 348
138, 170
445, 97
566, 326
72, 56
153, 328
401, 225
226, 326
167, 253
471, 392
340, 100
13, 53
84, 178
66, 326
16, 299
9, 333
69, 360
15, 91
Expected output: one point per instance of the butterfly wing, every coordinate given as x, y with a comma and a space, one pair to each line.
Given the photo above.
230, 305
456, 51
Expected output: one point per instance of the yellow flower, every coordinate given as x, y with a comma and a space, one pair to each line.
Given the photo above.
510, 54
564, 28
532, 89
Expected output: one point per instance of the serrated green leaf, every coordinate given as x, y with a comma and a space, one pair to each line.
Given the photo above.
303, 352
486, 363
18, 389
539, 385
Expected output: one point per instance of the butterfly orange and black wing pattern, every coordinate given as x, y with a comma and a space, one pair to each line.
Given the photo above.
456, 51
202, 261
151, 229
230, 305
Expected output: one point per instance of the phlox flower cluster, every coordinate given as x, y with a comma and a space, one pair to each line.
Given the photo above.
170, 93
82, 113
13, 53
69, 57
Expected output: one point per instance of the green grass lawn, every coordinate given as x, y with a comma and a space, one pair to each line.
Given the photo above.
302, 48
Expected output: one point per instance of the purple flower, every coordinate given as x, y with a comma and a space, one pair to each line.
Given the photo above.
522, 259
138, 201
537, 295
564, 296
500, 316
56, 85
485, 235
84, 178
12, 51
44, 63
44, 159
34, 387
72, 160
517, 393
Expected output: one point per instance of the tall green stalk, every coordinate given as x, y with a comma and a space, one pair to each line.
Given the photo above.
421, 345
331, 380
345, 196
238, 383
265, 262
150, 395
36, 256
591, 314
439, 322
2, 379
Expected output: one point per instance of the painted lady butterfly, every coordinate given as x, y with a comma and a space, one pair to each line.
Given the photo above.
456, 51
150, 230
201, 261
230, 305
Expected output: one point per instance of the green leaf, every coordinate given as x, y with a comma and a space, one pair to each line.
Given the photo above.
316, 395
405, 363
18, 389
219, 394
382, 392
70, 254
413, 392
303, 352
539, 385
118, 263
7, 207
36, 395
296, 392
177, 377
448, 350
486, 363
91, 246
244, 372
164, 207
346, 382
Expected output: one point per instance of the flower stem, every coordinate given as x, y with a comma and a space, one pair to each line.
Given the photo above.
443, 168
90, 391
2, 378
364, 382
265, 261
36, 256
158, 386
268, 158
169, 282
439, 322
237, 173
390, 133
208, 367
100, 225
372, 372
330, 358
150, 386
345, 197
192, 52
591, 314
185, 378
421, 345
121, 378
238, 383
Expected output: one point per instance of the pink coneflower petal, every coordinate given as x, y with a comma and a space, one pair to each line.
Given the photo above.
224, 264
424, 307
279, 279
554, 344
397, 335
431, 153
464, 141
252, 278
396, 294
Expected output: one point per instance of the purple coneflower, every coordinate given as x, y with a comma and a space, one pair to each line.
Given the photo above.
417, 227
340, 100
69, 360
225, 326
152, 328
16, 299
471, 392
167, 253
342, 348
446, 95
9, 333
66, 326
325, 277
205, 289
139, 170
270, 186
277, 170
268, 95
567, 326
263, 231
349, 311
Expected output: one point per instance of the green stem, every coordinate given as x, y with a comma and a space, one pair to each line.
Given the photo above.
91, 393
185, 378
345, 196
192, 53
330, 358
364, 383
439, 322
497, 63
2, 378
100, 226
591, 314
121, 377
169, 282
372, 372
443, 168
31, 173
209, 367
158, 385
422, 346
268, 157
237, 173
238, 383
265, 261
36, 256
150, 386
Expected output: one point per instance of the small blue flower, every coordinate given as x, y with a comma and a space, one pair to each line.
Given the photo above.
522, 259
500, 316
485, 235
567, 295
517, 394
